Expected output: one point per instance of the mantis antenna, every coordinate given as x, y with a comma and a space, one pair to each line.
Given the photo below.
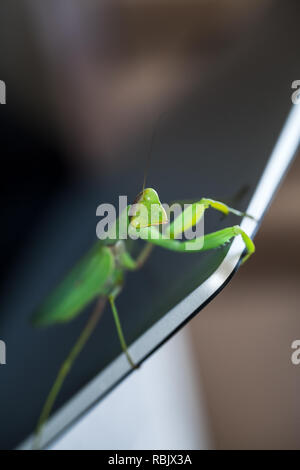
147, 166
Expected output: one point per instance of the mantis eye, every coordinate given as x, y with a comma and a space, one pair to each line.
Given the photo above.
147, 210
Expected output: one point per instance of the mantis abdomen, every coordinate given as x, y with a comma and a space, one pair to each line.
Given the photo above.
88, 279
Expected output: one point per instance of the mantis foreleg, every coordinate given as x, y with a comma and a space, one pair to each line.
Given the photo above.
188, 218
209, 242
194, 212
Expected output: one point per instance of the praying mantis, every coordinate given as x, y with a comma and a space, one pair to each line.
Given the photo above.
100, 274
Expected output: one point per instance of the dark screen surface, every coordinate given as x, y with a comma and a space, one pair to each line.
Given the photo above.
216, 145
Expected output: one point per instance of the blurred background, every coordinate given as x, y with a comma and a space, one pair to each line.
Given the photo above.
100, 71
86, 83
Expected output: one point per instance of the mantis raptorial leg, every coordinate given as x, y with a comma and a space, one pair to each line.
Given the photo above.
190, 217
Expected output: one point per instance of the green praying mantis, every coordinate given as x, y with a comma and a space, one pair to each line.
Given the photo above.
101, 272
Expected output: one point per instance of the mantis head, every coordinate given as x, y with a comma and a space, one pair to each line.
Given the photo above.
147, 210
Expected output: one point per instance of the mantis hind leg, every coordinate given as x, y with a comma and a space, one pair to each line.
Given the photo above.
124, 346
65, 369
